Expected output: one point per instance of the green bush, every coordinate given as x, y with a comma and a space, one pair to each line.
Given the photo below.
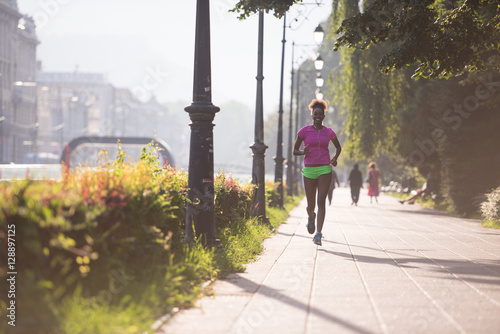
108, 241
232, 201
490, 208
71, 236
272, 194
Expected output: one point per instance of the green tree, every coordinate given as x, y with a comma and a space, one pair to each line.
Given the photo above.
464, 117
439, 124
248, 7
444, 38
371, 100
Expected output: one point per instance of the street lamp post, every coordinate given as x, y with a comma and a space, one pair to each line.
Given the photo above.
73, 100
296, 164
289, 170
258, 147
200, 214
278, 172
61, 118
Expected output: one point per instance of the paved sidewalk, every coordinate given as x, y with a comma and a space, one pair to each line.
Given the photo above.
383, 268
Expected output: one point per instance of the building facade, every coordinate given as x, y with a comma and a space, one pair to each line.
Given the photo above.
40, 112
71, 105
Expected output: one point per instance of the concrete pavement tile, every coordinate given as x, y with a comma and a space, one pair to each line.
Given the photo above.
348, 320
484, 320
237, 285
399, 280
208, 308
270, 312
419, 319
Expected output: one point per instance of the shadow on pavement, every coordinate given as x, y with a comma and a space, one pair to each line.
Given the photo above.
425, 211
466, 270
278, 297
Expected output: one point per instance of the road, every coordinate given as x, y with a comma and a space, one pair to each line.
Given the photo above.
382, 268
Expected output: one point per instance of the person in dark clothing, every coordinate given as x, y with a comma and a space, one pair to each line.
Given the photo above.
335, 180
355, 181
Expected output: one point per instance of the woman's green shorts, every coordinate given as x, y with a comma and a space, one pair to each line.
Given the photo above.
315, 172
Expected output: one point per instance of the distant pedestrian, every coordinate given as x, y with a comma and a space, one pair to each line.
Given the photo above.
373, 176
420, 192
355, 181
335, 180
317, 171
427, 189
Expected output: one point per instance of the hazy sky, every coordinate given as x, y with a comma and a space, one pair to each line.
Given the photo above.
148, 45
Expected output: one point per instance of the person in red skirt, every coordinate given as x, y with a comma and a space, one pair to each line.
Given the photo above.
373, 176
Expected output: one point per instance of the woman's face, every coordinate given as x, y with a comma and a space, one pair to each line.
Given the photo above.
318, 116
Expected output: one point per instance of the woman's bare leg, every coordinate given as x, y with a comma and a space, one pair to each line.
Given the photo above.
323, 186
310, 186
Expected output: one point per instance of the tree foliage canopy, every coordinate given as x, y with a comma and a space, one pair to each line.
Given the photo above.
446, 124
444, 37
248, 7
370, 100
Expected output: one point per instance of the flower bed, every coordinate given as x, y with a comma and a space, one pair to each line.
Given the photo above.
108, 239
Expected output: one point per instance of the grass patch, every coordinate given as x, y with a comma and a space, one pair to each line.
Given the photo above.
278, 216
132, 305
425, 201
491, 224
242, 245
397, 195
488, 209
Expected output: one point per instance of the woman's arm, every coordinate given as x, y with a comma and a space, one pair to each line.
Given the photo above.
338, 149
296, 147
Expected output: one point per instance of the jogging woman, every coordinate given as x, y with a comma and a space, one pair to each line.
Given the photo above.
317, 171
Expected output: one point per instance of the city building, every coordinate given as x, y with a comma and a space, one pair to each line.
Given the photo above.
18, 118
74, 104
40, 111
71, 105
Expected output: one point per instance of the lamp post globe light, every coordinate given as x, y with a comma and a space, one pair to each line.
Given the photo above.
319, 81
200, 215
318, 63
319, 94
319, 34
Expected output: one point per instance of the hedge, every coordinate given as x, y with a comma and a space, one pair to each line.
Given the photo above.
88, 233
